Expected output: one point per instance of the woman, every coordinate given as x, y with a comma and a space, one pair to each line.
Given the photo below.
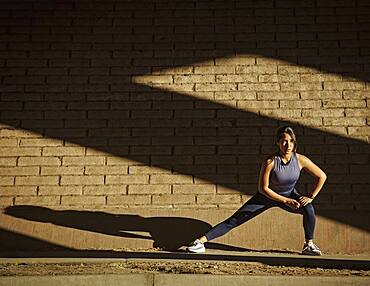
276, 187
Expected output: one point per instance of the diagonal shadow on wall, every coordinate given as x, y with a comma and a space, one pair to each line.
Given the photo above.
93, 101
183, 230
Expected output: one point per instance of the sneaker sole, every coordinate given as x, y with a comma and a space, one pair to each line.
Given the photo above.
196, 251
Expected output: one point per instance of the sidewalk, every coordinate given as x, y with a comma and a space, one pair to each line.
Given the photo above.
274, 259
162, 279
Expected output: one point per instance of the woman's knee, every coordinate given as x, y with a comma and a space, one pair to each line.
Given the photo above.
308, 210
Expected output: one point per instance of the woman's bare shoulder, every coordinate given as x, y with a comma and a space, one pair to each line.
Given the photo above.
302, 158
269, 160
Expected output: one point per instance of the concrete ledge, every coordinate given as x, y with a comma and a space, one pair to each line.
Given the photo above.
272, 259
180, 279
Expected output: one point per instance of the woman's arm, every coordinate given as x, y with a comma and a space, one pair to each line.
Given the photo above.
315, 171
263, 185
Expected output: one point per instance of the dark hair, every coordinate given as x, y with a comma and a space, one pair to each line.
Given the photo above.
289, 130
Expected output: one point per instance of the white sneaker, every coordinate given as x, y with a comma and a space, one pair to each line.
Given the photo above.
197, 247
311, 249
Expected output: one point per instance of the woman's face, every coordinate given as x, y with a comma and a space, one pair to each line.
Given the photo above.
286, 144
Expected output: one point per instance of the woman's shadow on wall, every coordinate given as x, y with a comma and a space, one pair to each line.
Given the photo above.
167, 233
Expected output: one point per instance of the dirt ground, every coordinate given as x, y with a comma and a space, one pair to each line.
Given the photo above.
170, 266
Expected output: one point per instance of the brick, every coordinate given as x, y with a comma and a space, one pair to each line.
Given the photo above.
148, 79
129, 123
6, 201
6, 181
301, 86
321, 94
67, 80
278, 78
84, 123
143, 132
22, 115
18, 171
62, 170
63, 151
10, 151
217, 179
127, 179
152, 114
84, 180
215, 159
235, 95
18, 191
277, 95
149, 189
147, 170
8, 142
180, 150
344, 85
195, 114
214, 70
82, 161
363, 130
39, 124
65, 115
215, 87
129, 200
40, 142
171, 199
292, 69
8, 161
37, 180
68, 63
102, 170
360, 189
196, 131
259, 86
257, 69
236, 78
169, 160
344, 103
198, 78
194, 189
47, 71
259, 104
316, 104
345, 121
238, 60
109, 132
170, 179
60, 190
133, 160
140, 105
327, 112
357, 112
104, 190
26, 63
38, 200
153, 150
217, 199
83, 200
138, 141
356, 94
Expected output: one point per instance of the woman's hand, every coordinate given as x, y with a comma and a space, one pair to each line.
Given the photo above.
305, 200
292, 203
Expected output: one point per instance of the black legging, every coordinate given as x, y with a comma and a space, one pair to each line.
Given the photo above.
258, 204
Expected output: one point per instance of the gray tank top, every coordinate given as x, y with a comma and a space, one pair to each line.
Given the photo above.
284, 176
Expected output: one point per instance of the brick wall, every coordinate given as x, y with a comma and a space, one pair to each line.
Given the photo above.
142, 105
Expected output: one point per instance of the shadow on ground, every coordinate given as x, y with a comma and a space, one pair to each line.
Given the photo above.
49, 250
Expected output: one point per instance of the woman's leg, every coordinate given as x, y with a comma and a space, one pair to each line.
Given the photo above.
309, 217
256, 205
